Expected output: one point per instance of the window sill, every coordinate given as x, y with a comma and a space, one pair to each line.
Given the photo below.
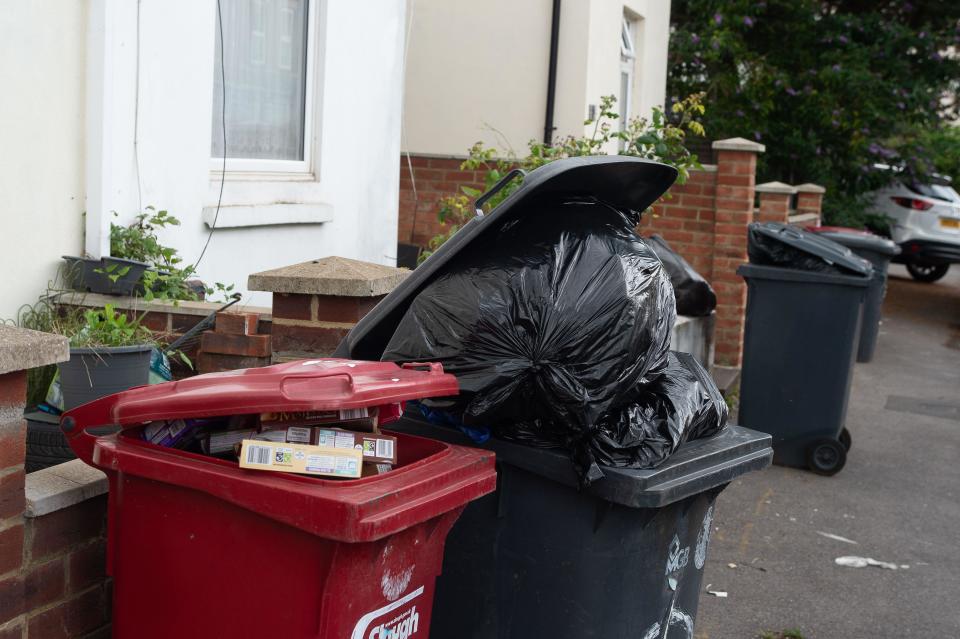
240, 216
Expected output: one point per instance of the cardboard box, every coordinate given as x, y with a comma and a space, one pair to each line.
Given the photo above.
371, 469
222, 442
299, 458
311, 418
375, 447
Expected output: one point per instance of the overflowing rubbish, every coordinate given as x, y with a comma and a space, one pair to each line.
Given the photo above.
776, 244
560, 318
558, 328
694, 295
344, 443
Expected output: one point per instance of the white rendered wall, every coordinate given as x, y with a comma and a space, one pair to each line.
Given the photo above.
477, 66
41, 144
357, 138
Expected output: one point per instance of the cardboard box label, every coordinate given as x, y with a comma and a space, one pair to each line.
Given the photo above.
379, 448
300, 458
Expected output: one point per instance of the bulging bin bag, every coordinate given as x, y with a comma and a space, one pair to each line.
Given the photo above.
683, 403
694, 295
558, 316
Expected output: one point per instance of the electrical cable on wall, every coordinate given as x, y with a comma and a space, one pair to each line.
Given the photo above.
223, 122
136, 116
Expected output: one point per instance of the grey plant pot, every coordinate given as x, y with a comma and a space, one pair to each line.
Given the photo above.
92, 373
93, 276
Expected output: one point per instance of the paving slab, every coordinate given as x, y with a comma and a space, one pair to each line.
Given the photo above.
897, 501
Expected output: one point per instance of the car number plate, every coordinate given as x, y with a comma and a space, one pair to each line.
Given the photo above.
949, 223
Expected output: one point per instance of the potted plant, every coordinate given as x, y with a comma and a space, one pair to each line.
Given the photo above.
109, 353
138, 264
107, 275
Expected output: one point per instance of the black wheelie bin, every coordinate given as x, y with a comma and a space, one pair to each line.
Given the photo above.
805, 297
546, 556
878, 251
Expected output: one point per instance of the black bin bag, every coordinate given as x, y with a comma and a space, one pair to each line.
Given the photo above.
556, 318
785, 246
695, 297
559, 318
683, 403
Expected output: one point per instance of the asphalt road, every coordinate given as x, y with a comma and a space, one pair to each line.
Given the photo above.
898, 498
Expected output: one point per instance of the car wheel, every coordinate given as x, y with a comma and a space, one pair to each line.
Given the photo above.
927, 272
826, 456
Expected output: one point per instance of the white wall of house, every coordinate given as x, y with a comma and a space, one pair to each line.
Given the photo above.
344, 204
478, 71
84, 95
41, 144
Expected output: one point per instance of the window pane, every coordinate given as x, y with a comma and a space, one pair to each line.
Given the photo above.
265, 62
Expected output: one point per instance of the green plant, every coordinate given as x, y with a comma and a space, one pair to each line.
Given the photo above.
220, 290
832, 87
167, 280
663, 138
108, 327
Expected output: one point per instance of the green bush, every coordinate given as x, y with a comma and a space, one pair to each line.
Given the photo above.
663, 138
831, 88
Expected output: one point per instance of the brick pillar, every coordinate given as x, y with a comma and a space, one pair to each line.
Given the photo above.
736, 181
315, 304
810, 200
27, 580
774, 202
234, 343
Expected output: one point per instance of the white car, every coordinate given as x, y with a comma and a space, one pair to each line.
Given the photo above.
925, 223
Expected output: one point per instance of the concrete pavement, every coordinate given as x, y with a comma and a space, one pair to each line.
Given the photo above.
898, 498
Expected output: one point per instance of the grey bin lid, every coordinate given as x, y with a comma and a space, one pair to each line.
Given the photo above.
620, 181
863, 241
696, 467
813, 243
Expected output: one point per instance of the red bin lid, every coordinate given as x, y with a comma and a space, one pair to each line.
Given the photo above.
306, 385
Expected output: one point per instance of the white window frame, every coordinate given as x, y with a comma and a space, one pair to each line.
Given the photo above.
628, 61
288, 170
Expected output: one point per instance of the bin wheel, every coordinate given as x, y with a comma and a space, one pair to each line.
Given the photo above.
845, 439
826, 456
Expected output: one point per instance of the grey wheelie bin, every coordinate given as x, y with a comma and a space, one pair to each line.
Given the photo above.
545, 556
801, 336
878, 251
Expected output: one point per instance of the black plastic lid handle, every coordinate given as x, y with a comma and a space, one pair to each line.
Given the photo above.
496, 188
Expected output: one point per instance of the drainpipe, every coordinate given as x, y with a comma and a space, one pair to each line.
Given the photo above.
552, 73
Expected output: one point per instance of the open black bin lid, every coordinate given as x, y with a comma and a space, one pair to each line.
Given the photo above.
696, 467
620, 181
828, 251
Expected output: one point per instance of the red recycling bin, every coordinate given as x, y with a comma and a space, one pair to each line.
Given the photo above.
198, 547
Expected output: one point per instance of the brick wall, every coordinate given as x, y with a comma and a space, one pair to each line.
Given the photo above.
52, 569
434, 178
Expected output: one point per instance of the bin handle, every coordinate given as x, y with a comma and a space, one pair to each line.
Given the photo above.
74, 424
315, 376
434, 368
496, 188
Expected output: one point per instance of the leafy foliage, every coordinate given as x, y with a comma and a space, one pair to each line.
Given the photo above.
663, 138
168, 279
831, 87
108, 327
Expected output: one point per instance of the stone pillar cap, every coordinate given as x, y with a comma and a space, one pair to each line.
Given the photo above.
330, 276
738, 144
775, 187
22, 349
810, 188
